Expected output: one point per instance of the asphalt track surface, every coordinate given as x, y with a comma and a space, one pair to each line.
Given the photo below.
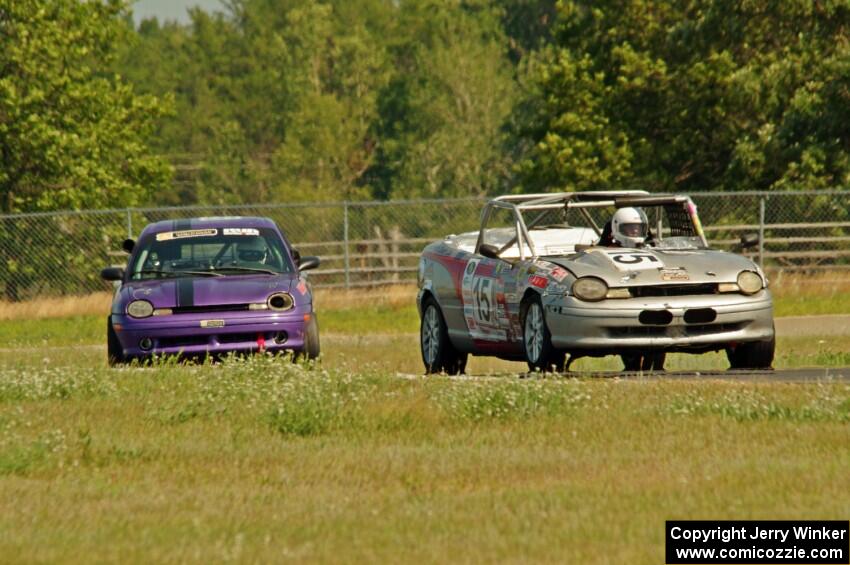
804, 375
814, 374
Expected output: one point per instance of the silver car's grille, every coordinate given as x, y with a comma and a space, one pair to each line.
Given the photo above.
673, 290
674, 331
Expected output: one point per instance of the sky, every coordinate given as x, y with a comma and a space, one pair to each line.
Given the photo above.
170, 9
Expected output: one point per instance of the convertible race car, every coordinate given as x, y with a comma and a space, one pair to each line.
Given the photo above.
210, 286
590, 274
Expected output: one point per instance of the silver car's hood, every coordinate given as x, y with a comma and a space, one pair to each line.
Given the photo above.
627, 267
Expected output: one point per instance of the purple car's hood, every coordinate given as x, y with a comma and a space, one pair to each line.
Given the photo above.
207, 291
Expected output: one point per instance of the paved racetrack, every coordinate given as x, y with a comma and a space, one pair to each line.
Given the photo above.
801, 326
805, 375
841, 374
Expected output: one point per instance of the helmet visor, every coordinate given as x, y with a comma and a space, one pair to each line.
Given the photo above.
633, 230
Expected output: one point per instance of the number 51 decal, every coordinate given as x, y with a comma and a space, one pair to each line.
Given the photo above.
634, 260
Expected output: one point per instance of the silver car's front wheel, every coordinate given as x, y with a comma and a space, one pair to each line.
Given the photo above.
430, 335
540, 354
438, 353
533, 334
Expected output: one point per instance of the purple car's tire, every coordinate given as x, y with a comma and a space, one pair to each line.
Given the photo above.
114, 351
312, 348
438, 353
540, 354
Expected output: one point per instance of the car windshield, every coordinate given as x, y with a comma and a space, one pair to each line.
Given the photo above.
674, 226
671, 226
210, 252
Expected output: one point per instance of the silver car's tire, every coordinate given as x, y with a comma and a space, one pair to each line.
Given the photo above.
753, 355
540, 354
438, 353
637, 362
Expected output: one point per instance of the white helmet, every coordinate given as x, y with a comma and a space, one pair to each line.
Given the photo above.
629, 227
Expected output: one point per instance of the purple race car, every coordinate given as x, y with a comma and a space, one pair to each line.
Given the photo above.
210, 286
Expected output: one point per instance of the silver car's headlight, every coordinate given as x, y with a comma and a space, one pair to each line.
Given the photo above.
590, 289
140, 309
749, 282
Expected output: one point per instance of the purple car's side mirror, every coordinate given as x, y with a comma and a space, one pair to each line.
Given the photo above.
112, 274
308, 262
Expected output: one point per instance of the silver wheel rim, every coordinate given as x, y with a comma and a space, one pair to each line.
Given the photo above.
430, 335
534, 332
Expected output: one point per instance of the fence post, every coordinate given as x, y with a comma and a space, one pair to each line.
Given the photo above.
129, 224
761, 232
345, 242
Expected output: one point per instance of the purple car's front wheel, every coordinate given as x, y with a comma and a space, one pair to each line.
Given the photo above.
114, 351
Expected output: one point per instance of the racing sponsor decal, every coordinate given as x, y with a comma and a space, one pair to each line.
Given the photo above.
466, 284
479, 304
212, 323
558, 273
633, 260
241, 231
302, 288
538, 281
169, 235
674, 275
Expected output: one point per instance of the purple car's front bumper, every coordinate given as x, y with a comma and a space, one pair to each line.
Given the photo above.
198, 335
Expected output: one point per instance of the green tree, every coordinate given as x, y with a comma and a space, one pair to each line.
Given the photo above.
442, 116
288, 100
71, 134
678, 95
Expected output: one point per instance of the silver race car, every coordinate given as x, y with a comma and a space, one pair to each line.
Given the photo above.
590, 274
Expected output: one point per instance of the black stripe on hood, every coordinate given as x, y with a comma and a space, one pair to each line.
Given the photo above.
185, 292
180, 225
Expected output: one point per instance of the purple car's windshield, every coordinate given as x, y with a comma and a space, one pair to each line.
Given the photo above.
210, 252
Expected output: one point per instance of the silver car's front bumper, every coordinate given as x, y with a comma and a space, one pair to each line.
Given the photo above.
612, 325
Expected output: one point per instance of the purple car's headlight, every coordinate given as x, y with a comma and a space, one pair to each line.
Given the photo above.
140, 309
281, 301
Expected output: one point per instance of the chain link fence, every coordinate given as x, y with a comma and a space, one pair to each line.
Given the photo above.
375, 243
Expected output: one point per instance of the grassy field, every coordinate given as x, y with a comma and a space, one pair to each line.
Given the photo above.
358, 459
265, 461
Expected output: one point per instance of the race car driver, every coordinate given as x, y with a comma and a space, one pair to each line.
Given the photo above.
628, 227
